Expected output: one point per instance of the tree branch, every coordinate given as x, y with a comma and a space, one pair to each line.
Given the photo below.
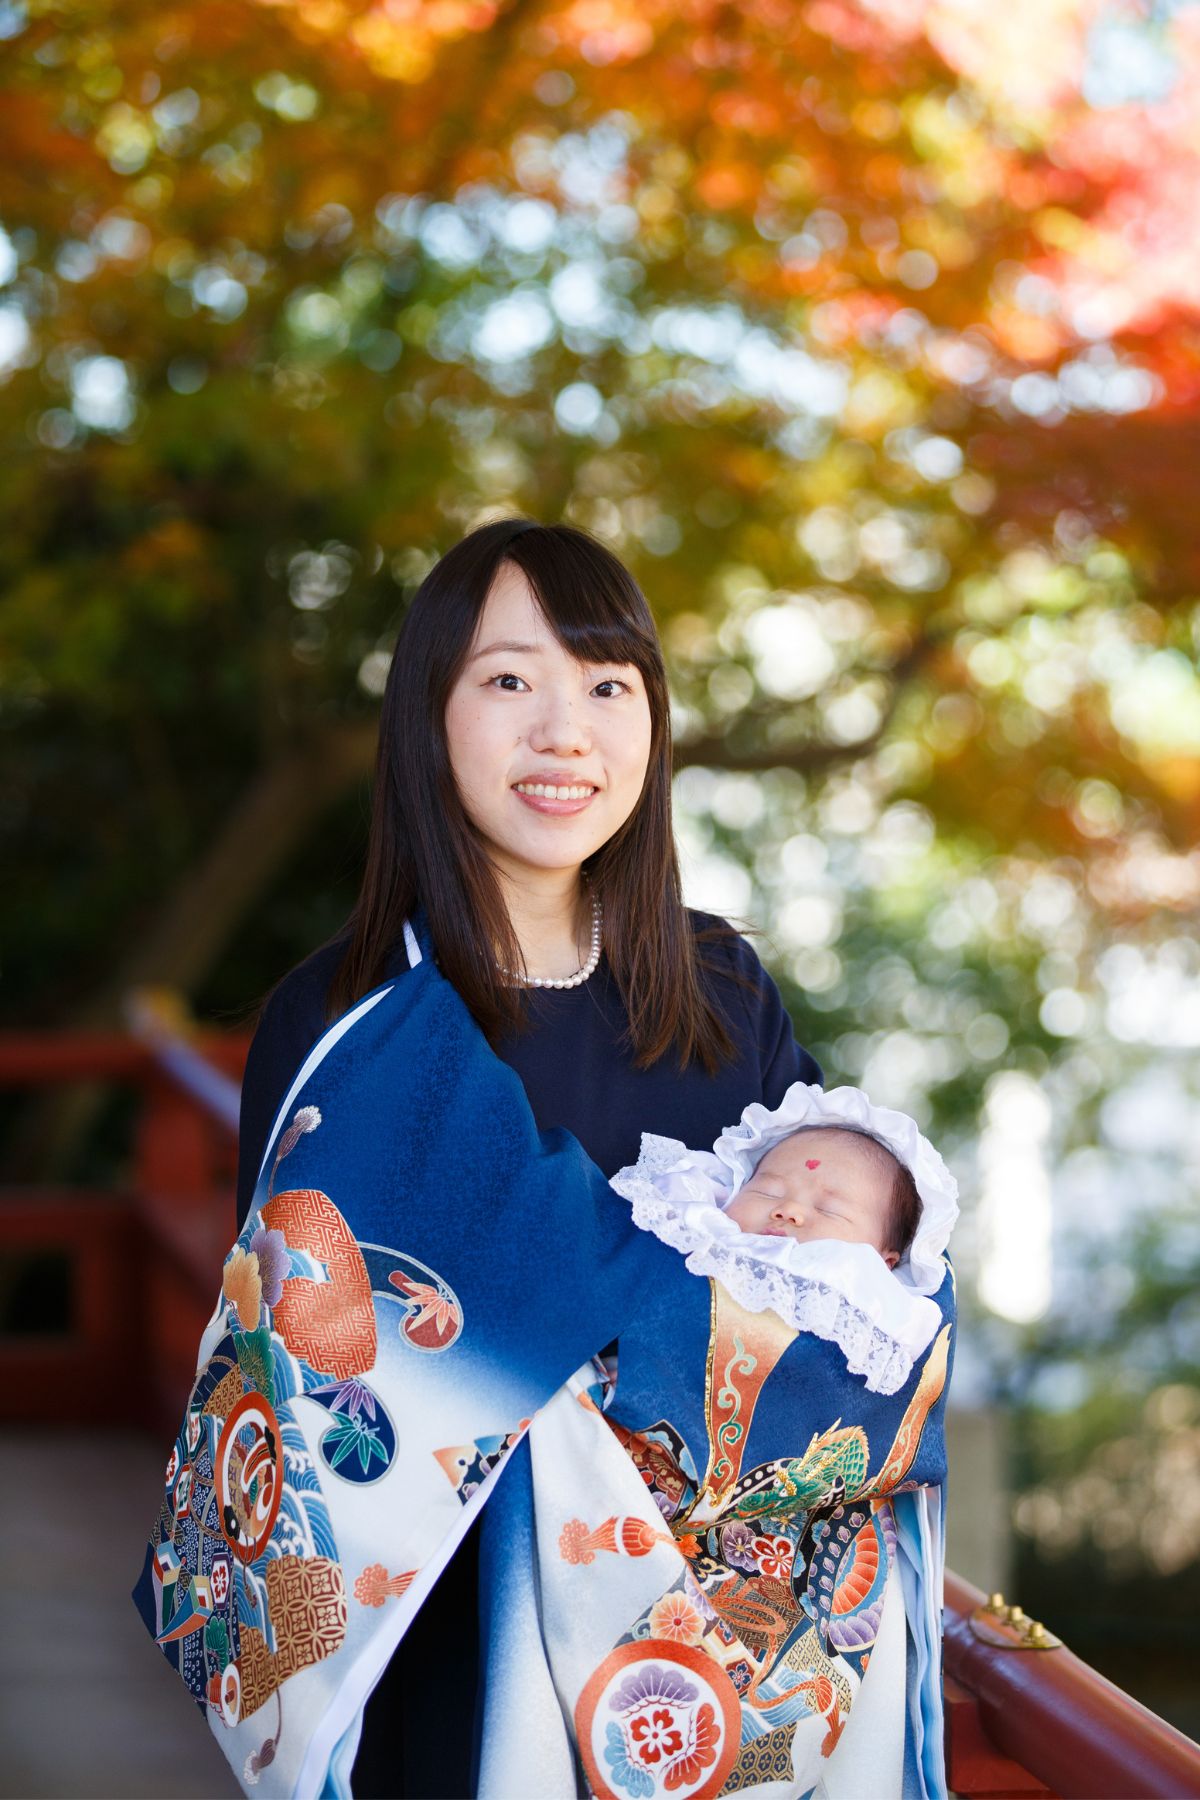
714, 750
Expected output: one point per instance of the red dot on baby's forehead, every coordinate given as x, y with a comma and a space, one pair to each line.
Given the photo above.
814, 1162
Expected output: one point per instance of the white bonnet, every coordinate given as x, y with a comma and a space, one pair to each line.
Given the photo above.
742, 1146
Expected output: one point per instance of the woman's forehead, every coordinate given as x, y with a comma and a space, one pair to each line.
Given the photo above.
513, 621
511, 602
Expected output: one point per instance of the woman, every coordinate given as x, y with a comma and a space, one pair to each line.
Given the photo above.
522, 800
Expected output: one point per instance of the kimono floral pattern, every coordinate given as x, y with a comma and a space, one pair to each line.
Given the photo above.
659, 1718
774, 1556
676, 1619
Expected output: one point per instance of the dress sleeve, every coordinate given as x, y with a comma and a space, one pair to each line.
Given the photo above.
781, 1060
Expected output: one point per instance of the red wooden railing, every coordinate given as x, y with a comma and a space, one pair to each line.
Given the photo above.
143, 1261
1027, 1721
140, 1260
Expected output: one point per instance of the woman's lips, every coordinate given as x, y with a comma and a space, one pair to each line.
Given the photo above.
553, 807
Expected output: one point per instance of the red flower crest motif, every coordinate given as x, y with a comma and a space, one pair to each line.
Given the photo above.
655, 1735
774, 1556
676, 1619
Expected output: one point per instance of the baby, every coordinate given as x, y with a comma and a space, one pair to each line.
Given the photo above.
828, 1210
831, 1182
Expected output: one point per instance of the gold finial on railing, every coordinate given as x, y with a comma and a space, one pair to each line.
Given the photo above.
1005, 1627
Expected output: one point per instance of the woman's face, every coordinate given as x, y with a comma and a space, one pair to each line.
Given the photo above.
549, 754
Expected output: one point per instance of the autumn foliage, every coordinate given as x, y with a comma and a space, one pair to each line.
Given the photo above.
860, 334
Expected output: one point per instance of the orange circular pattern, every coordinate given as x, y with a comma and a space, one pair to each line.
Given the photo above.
248, 1476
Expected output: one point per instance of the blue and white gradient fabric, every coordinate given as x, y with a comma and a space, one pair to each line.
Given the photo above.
698, 1584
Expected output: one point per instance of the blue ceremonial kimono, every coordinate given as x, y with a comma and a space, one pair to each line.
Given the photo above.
421, 1274
578, 1072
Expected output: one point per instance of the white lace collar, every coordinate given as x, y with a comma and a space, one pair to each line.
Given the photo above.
880, 1319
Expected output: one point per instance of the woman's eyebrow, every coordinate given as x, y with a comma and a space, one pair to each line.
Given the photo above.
509, 646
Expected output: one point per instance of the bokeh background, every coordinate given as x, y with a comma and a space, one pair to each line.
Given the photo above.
868, 335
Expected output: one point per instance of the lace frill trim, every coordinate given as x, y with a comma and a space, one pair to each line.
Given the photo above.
807, 1304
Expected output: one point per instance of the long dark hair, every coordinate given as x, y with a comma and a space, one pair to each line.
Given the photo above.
423, 849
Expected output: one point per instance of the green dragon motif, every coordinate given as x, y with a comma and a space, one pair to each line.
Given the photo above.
836, 1461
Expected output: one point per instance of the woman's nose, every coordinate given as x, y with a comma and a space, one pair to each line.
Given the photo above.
560, 729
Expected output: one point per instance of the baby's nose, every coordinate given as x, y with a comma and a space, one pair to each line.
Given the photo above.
791, 1210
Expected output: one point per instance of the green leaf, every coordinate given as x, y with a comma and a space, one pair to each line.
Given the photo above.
216, 1641
256, 1361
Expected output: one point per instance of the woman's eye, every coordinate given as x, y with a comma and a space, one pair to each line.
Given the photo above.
508, 683
612, 684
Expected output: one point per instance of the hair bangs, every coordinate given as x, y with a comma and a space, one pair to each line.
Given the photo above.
597, 612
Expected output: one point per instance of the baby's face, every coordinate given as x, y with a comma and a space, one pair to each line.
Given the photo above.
819, 1184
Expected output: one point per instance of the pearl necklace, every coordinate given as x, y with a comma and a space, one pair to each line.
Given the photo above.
581, 974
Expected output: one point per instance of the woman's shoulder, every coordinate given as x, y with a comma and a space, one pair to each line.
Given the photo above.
296, 1007
724, 949
303, 989
752, 1004
290, 1020
712, 926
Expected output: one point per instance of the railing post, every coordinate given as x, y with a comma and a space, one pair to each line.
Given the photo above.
174, 1147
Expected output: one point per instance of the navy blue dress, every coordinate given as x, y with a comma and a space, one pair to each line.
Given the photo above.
577, 1070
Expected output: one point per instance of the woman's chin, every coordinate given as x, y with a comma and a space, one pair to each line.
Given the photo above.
525, 858
551, 843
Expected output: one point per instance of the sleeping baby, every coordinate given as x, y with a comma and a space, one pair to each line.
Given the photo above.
828, 1210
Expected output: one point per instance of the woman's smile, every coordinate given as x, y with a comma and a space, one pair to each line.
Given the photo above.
555, 794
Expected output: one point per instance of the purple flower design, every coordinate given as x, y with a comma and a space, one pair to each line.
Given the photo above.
737, 1546
651, 1683
349, 1397
271, 1249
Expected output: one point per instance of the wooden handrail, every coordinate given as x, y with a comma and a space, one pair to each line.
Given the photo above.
1056, 1717
215, 1092
41, 1058
162, 1237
